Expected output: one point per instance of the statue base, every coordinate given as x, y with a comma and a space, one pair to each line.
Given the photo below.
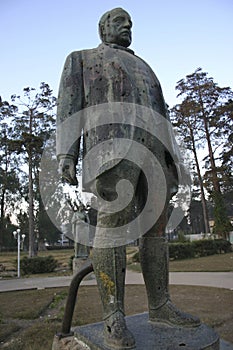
150, 336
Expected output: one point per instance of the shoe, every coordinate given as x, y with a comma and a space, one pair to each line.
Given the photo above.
116, 334
170, 315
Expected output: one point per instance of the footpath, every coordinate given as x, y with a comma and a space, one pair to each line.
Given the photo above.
208, 279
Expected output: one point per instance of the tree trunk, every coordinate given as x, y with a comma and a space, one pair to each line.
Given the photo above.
32, 247
2, 204
32, 251
216, 185
222, 225
212, 160
3, 197
203, 200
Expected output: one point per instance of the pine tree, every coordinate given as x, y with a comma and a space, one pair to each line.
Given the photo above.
9, 170
185, 118
210, 108
33, 125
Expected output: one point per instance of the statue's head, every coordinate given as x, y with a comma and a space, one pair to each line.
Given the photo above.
115, 27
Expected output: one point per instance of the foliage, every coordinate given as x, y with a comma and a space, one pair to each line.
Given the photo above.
189, 250
196, 220
38, 265
71, 262
198, 248
26, 124
33, 124
181, 251
222, 225
204, 118
211, 247
7, 228
47, 230
59, 248
10, 189
58, 297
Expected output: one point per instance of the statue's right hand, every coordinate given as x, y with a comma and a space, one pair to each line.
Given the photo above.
67, 170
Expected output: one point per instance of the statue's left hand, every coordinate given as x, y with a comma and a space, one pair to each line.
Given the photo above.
67, 170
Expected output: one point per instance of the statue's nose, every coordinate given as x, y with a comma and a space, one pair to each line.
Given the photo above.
127, 24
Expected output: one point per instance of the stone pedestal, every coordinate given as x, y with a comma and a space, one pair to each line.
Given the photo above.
149, 336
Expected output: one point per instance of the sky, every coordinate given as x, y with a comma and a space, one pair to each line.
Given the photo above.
174, 36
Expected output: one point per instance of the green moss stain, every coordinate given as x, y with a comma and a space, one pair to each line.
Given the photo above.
109, 285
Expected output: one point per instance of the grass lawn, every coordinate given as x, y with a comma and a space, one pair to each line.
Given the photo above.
9, 261
30, 319
213, 263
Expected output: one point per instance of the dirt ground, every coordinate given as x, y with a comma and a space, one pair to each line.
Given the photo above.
29, 319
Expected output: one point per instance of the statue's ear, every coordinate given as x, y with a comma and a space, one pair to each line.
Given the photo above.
103, 31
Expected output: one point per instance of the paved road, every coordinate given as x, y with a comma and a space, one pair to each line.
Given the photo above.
209, 279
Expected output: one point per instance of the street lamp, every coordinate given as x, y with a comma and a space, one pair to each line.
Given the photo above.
19, 240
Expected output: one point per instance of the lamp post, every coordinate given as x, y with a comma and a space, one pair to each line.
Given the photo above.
19, 240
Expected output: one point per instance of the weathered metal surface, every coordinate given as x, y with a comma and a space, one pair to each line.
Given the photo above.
149, 336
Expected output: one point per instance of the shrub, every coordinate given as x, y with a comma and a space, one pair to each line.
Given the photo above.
198, 248
38, 265
205, 247
223, 246
194, 249
70, 264
181, 251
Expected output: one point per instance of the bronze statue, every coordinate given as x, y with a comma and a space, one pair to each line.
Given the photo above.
107, 74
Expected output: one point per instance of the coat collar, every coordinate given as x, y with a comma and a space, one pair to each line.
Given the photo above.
115, 46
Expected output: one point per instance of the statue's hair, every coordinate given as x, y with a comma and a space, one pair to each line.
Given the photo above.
104, 18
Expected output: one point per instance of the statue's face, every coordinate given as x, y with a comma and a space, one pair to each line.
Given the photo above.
117, 28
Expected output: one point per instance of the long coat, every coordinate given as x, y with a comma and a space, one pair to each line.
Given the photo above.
96, 81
